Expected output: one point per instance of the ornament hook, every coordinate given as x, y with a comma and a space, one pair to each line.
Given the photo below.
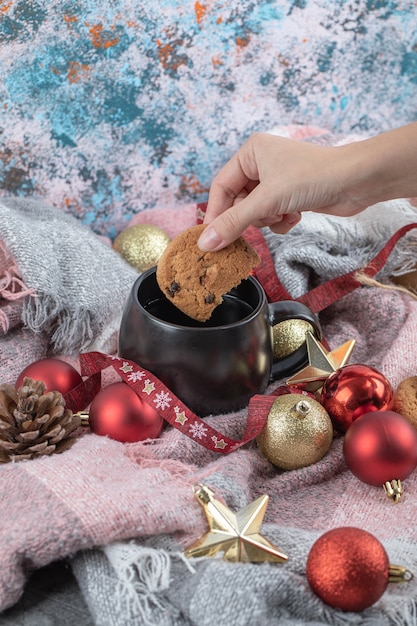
399, 574
394, 490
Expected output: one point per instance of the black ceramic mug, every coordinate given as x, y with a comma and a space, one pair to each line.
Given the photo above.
215, 366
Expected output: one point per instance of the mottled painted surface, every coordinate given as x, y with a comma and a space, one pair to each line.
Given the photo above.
109, 107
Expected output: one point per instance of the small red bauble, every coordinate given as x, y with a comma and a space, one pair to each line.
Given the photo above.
56, 374
381, 446
118, 412
348, 568
353, 390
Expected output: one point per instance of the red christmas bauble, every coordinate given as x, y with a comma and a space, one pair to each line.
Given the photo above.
56, 374
118, 412
353, 390
381, 446
348, 568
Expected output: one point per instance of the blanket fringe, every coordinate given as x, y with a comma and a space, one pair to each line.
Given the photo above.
142, 574
70, 331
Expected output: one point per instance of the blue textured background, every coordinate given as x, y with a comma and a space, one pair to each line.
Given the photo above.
111, 107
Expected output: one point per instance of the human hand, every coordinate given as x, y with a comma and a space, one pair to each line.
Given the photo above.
270, 181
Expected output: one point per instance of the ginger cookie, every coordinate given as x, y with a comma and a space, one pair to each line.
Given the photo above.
405, 399
196, 281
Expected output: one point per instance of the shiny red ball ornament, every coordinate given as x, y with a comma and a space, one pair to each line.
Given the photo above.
352, 391
57, 375
381, 446
118, 412
348, 568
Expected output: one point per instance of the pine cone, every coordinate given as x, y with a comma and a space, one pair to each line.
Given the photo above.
32, 422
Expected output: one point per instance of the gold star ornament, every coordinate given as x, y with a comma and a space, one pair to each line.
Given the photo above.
320, 363
237, 535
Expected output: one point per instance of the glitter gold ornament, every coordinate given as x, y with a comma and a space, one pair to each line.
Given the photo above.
288, 336
141, 245
237, 535
297, 432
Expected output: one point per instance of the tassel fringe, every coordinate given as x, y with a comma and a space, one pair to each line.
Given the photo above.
70, 331
142, 574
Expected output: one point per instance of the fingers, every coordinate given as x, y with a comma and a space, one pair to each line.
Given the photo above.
227, 188
288, 221
234, 181
230, 224
255, 187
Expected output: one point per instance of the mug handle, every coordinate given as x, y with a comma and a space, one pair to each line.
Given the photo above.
295, 361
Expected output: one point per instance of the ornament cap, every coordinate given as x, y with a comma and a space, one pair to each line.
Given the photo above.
303, 408
84, 417
399, 574
394, 490
203, 493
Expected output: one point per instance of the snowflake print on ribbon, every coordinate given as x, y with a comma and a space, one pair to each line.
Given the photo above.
135, 376
198, 430
162, 400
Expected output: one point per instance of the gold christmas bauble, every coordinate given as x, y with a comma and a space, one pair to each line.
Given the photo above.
141, 245
288, 336
297, 433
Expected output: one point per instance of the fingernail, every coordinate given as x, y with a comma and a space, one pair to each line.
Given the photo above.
209, 239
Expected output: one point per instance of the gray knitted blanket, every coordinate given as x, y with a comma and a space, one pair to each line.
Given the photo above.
80, 283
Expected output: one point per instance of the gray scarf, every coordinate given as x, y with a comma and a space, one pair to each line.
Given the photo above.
81, 283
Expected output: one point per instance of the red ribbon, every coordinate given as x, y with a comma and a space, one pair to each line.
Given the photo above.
327, 293
152, 391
